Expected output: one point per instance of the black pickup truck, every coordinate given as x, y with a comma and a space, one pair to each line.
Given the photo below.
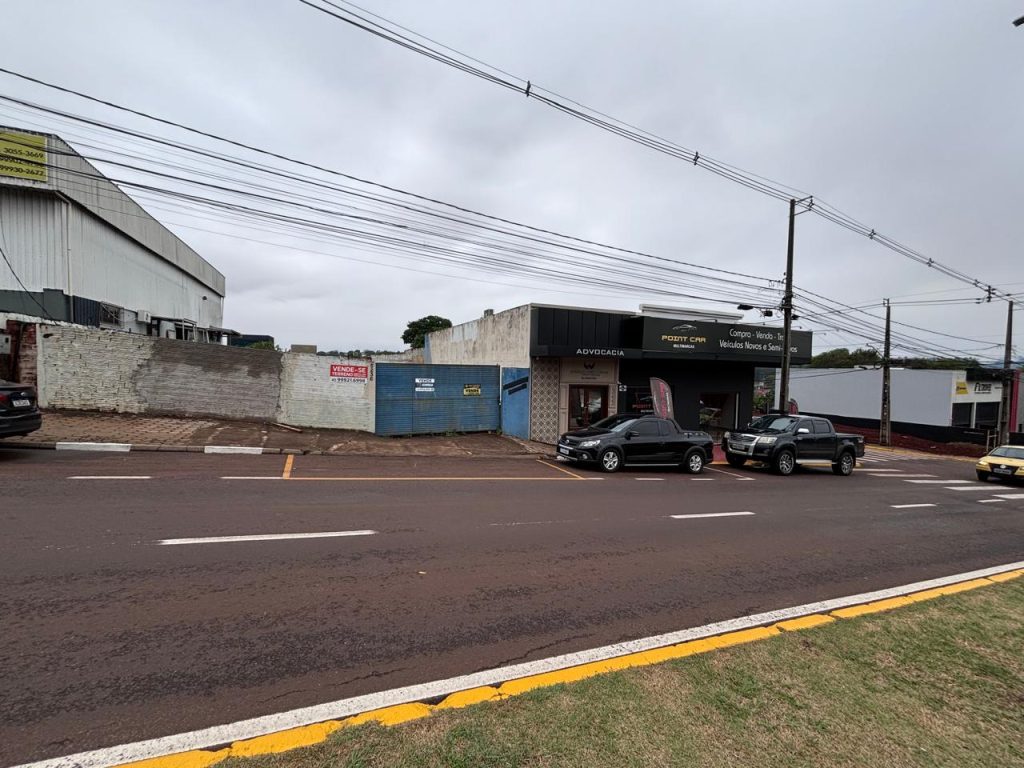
783, 441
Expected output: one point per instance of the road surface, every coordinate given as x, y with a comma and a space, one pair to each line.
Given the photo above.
145, 594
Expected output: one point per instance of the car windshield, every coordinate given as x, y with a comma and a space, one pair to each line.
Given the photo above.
773, 423
616, 423
1008, 452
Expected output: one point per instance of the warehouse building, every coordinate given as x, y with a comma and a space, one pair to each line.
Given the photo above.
943, 405
566, 367
78, 249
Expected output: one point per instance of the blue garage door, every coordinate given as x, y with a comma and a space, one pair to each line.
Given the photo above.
430, 399
515, 402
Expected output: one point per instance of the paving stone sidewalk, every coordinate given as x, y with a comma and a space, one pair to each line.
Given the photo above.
170, 433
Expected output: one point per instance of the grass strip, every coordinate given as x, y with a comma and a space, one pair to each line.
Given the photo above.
937, 683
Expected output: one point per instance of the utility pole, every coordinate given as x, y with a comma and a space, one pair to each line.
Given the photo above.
787, 311
1005, 405
885, 423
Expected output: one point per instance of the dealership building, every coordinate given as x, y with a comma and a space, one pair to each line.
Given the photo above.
570, 366
79, 250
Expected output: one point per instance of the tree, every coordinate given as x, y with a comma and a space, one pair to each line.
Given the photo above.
844, 358
417, 330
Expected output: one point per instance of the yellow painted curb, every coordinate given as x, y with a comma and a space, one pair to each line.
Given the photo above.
402, 713
805, 622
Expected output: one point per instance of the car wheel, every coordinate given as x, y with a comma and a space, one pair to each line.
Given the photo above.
610, 460
736, 461
983, 476
693, 462
784, 463
845, 464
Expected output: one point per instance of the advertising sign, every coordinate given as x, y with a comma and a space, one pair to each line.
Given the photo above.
355, 373
471, 390
722, 340
661, 395
23, 156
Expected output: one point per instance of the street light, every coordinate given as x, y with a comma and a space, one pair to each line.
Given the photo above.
1018, 22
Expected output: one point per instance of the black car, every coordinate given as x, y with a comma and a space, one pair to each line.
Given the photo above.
632, 439
19, 412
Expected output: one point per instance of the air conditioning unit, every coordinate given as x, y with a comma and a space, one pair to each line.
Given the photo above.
143, 316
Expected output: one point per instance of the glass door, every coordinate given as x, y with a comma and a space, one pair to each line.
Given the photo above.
587, 404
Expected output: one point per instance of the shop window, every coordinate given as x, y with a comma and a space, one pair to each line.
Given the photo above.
962, 413
986, 415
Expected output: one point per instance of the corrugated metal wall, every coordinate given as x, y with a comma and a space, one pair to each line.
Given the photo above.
33, 237
515, 402
431, 399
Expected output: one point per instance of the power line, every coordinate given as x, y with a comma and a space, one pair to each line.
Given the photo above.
625, 130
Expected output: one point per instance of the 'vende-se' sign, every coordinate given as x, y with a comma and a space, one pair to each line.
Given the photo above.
356, 373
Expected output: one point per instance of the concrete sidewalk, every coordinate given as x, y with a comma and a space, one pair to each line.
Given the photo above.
170, 434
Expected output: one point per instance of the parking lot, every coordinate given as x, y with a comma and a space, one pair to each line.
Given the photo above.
150, 593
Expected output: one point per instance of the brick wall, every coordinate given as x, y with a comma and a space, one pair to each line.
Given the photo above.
310, 398
90, 369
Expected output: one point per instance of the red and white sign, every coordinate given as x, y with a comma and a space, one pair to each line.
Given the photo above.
357, 373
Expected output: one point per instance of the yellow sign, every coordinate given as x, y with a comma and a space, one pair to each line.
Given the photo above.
471, 390
23, 156
961, 388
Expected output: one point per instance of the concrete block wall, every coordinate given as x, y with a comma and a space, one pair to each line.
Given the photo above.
89, 369
310, 398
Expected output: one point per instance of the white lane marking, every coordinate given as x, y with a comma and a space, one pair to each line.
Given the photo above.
901, 475
533, 522
232, 449
265, 477
882, 470
730, 474
264, 537
110, 477
703, 478
968, 488
939, 482
335, 710
113, 447
709, 514
990, 501
649, 479
912, 506
1010, 495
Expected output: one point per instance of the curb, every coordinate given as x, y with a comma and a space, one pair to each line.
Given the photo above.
312, 725
231, 449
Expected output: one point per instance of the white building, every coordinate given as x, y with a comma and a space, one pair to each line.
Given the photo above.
78, 249
966, 400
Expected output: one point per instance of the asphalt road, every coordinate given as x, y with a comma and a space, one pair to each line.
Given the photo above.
110, 636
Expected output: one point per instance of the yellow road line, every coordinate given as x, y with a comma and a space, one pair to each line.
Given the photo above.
437, 479
308, 735
561, 469
287, 474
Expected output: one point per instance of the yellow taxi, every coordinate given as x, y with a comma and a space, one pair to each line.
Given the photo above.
1006, 461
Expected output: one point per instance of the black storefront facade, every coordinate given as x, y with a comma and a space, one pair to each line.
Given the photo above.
604, 361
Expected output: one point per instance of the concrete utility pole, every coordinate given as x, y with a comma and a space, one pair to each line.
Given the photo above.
787, 312
885, 423
1005, 403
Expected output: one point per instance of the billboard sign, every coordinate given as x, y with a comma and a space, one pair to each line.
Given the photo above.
722, 340
23, 156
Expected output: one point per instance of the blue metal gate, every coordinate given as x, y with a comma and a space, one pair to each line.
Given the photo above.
431, 399
515, 402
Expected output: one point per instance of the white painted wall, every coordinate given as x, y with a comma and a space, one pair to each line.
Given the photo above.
309, 398
918, 397
500, 339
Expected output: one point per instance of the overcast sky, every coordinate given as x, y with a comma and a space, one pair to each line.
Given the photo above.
905, 115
